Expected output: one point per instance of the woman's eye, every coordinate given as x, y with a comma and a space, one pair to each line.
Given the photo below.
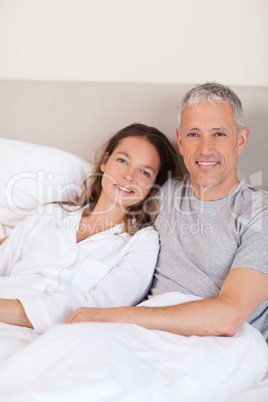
121, 160
145, 173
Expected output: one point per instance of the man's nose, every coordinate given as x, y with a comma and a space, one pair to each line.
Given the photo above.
205, 146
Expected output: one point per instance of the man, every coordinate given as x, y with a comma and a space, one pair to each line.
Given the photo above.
213, 230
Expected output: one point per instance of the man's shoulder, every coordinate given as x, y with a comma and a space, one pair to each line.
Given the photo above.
249, 205
253, 195
254, 189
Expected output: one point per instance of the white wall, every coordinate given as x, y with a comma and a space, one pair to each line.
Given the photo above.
188, 41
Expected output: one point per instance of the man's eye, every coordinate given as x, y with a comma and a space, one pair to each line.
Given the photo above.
191, 135
121, 160
220, 134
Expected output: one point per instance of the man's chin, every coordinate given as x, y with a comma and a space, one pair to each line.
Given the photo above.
204, 182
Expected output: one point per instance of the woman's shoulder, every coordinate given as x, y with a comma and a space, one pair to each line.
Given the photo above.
144, 240
149, 233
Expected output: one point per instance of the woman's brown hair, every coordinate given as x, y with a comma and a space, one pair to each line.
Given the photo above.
145, 212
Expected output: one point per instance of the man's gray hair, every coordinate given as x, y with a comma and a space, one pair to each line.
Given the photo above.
214, 93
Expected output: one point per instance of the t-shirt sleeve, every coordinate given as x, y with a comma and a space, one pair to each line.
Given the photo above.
253, 250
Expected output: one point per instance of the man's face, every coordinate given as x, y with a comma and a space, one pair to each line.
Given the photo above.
210, 147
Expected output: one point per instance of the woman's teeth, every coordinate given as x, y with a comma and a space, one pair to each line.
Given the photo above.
124, 189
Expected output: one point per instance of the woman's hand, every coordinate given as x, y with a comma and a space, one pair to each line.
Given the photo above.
12, 312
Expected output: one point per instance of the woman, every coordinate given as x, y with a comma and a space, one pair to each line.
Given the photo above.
98, 250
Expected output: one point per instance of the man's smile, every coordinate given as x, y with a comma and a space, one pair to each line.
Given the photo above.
207, 163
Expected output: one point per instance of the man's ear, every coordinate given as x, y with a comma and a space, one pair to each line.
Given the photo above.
104, 161
179, 141
242, 140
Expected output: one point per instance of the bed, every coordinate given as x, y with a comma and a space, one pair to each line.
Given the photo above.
49, 134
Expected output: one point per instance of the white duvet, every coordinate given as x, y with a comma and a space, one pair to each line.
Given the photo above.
101, 362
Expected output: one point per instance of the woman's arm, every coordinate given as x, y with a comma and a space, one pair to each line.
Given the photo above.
12, 312
126, 284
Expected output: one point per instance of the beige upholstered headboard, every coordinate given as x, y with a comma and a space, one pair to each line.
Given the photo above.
78, 117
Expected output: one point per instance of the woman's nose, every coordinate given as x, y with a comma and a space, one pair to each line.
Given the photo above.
129, 175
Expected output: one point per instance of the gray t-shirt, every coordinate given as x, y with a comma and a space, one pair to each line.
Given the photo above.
201, 241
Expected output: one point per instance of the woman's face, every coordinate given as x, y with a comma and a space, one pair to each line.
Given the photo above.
129, 172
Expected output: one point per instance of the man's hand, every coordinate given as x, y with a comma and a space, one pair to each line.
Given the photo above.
85, 314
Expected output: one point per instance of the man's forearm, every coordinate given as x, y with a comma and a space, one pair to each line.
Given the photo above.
12, 312
203, 317
223, 315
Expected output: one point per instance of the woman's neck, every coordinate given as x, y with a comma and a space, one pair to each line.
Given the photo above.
98, 220
111, 214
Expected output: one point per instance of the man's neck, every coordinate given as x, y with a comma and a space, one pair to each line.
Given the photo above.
213, 193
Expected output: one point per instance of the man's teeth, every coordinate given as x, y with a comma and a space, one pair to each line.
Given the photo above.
124, 189
207, 163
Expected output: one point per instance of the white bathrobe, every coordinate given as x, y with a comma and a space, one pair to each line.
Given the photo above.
42, 266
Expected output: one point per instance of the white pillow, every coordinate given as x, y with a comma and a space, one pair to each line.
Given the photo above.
31, 175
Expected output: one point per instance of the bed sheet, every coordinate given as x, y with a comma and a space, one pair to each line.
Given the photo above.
255, 393
101, 362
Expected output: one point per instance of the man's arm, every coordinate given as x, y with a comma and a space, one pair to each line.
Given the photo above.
12, 312
242, 292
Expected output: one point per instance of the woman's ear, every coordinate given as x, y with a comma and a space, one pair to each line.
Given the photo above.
104, 161
242, 140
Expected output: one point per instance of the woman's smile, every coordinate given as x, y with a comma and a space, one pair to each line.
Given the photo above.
124, 189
